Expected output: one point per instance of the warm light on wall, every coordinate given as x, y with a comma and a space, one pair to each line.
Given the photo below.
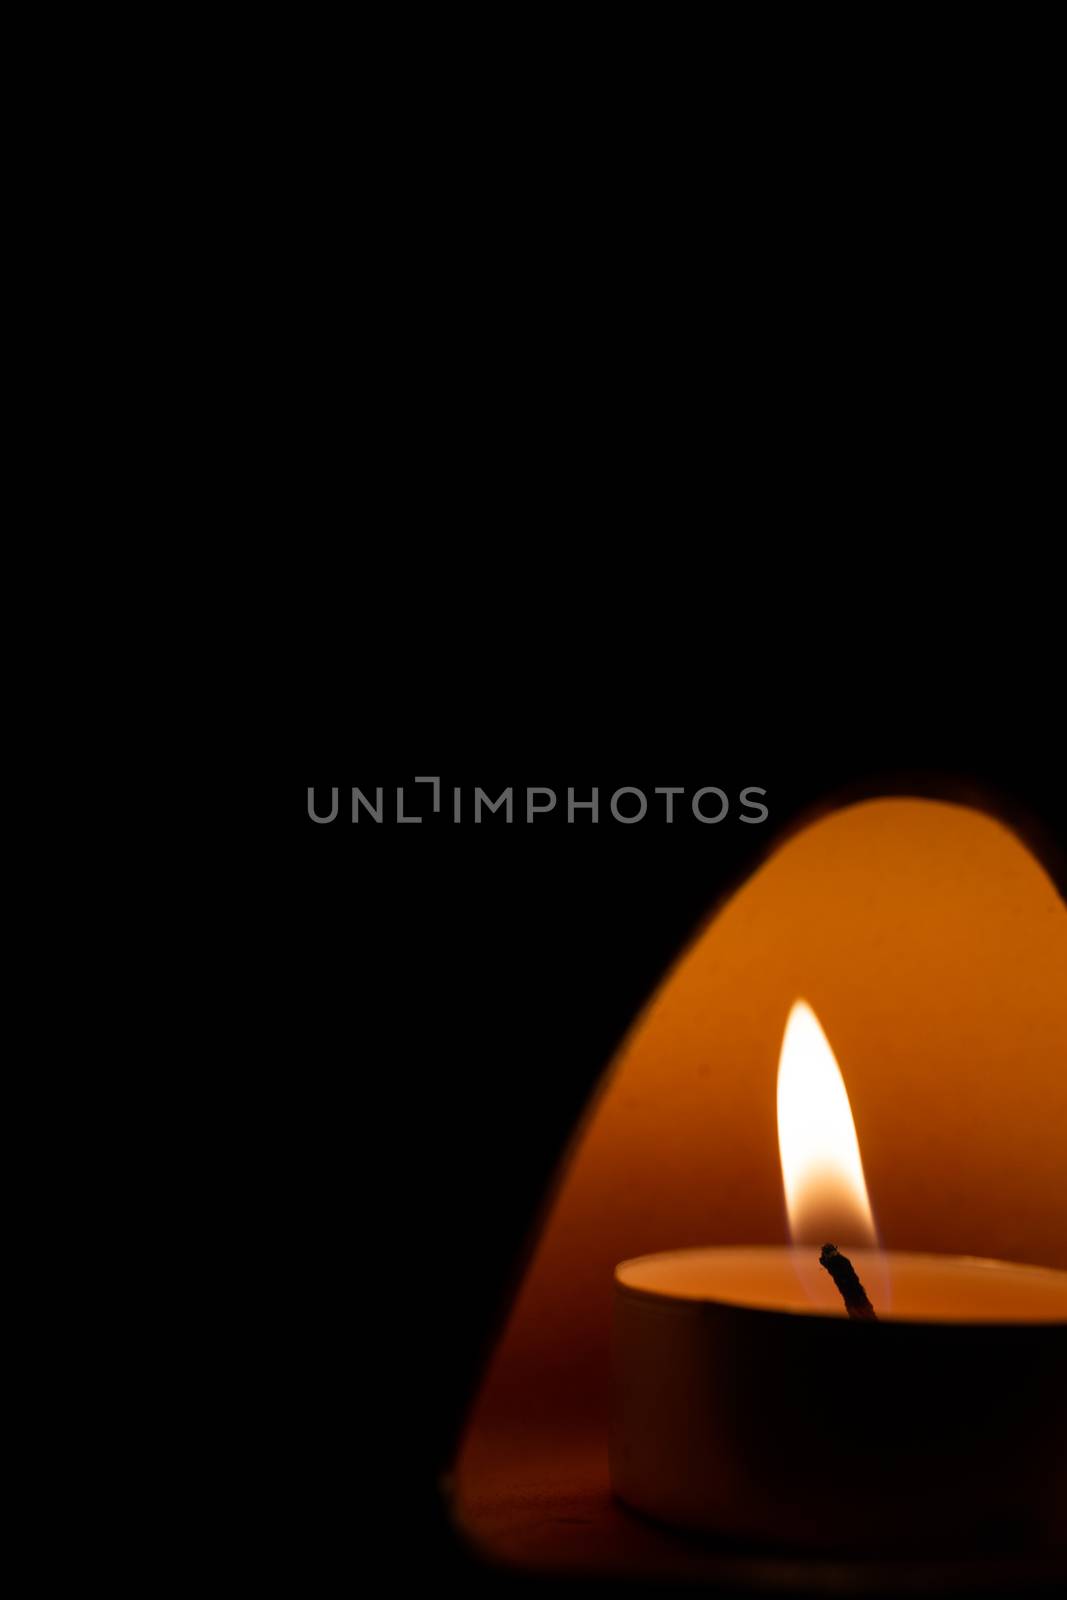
932, 948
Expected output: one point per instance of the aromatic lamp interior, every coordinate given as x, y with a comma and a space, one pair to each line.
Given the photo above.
743, 1409
932, 948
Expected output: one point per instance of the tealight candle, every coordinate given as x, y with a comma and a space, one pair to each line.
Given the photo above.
749, 1403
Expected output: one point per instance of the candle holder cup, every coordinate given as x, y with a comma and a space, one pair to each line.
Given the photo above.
824, 1434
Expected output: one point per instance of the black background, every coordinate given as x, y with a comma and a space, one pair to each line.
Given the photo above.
759, 495
458, 990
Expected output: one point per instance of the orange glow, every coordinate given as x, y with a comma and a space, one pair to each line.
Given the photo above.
933, 945
825, 1190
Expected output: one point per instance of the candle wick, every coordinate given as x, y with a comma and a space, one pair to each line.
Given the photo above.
844, 1275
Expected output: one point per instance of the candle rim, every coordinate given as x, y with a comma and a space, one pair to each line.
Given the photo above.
831, 1313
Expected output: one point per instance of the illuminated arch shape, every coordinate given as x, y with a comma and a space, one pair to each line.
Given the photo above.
933, 947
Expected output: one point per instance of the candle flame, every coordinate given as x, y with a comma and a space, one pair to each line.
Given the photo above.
825, 1190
